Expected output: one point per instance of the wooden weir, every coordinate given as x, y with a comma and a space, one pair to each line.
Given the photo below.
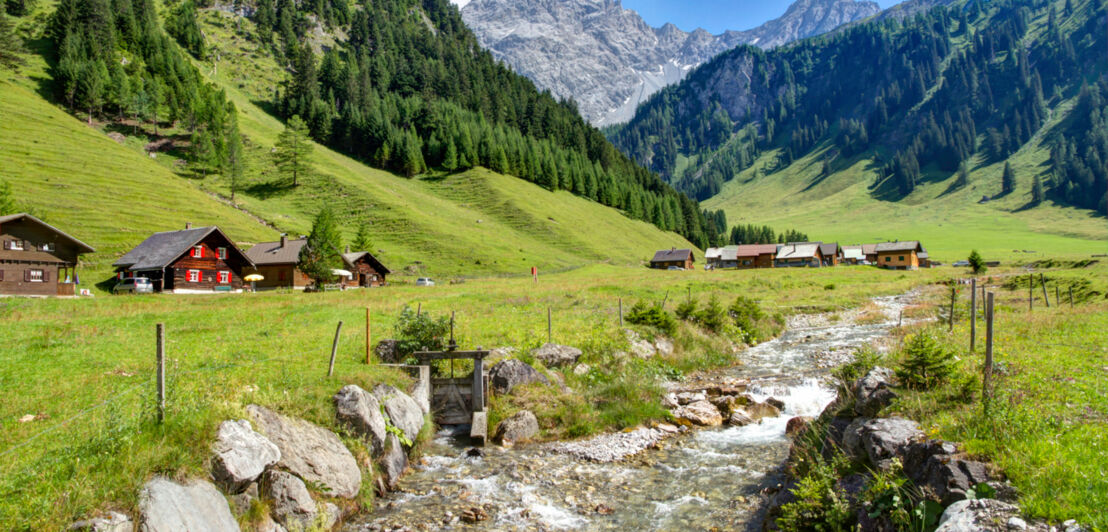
460, 400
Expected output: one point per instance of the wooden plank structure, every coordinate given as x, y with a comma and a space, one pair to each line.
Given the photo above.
460, 400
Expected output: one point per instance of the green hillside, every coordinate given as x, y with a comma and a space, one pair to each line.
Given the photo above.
472, 223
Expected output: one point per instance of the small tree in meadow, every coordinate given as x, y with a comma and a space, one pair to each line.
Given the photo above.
926, 364
292, 150
977, 264
361, 238
320, 255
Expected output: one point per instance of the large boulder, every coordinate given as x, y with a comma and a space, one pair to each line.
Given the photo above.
757, 411
388, 351
554, 355
882, 439
291, 502
664, 346
640, 347
797, 425
113, 522
520, 427
311, 452
508, 374
168, 506
403, 411
982, 515
241, 455
393, 463
700, 413
933, 466
362, 412
873, 392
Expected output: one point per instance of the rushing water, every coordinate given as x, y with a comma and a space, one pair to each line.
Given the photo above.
703, 479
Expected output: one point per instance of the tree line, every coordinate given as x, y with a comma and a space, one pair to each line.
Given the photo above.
754, 234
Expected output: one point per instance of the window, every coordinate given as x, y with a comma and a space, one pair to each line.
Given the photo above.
46, 247
900, 258
198, 252
36, 276
194, 276
224, 277
888, 259
222, 252
15, 245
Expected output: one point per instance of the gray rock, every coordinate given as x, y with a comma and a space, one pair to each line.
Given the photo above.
404, 413
640, 348
852, 438
612, 447
932, 465
269, 525
388, 351
311, 452
113, 522
872, 393
393, 463
886, 438
329, 515
421, 391
685, 398
362, 412
1015, 523
670, 401
977, 515
555, 355
241, 455
292, 503
739, 419
700, 413
167, 506
664, 346
241, 502
520, 427
508, 374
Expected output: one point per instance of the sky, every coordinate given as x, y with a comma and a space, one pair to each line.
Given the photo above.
715, 16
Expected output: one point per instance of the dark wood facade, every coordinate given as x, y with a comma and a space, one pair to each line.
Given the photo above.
665, 259
367, 273
37, 259
280, 276
200, 260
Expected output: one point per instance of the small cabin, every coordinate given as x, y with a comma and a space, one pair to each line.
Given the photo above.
799, 255
899, 255
722, 258
365, 269
755, 256
192, 261
279, 264
832, 253
853, 255
673, 257
36, 258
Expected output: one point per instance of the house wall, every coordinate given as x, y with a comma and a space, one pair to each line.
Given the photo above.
898, 260
14, 279
56, 262
687, 264
280, 276
765, 260
372, 277
208, 265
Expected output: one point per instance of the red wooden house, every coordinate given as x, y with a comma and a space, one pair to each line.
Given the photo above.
201, 260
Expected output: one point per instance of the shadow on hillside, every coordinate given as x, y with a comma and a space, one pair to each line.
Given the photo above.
44, 47
269, 190
268, 107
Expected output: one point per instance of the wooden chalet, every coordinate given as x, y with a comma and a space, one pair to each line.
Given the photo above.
755, 256
798, 255
278, 262
722, 258
899, 255
832, 253
853, 255
870, 252
366, 269
37, 259
666, 258
192, 261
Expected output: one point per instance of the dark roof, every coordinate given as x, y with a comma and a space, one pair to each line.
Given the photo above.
161, 249
24, 216
829, 248
869, 249
267, 253
351, 258
672, 255
907, 245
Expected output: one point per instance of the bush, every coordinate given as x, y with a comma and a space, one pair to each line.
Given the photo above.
686, 311
712, 316
415, 332
746, 313
976, 262
652, 316
926, 364
820, 504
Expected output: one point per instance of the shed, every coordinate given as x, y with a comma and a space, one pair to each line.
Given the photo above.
278, 262
367, 270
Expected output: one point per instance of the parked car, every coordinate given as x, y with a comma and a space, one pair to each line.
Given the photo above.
961, 264
424, 281
134, 285
676, 268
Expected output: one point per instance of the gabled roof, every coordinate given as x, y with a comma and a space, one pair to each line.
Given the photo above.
712, 253
351, 258
271, 253
853, 252
892, 247
753, 250
729, 253
672, 255
798, 251
869, 249
829, 248
161, 249
85, 248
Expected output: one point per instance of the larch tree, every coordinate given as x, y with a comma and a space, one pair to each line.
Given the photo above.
292, 150
320, 254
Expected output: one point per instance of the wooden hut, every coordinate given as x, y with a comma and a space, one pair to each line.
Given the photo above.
36, 258
192, 261
279, 263
673, 257
366, 269
798, 255
755, 256
899, 255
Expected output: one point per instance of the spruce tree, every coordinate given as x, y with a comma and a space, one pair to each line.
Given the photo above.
976, 262
320, 254
361, 238
292, 150
10, 44
962, 180
1037, 191
1007, 179
450, 158
235, 165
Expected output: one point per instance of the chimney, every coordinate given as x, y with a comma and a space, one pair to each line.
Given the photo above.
284, 239
188, 225
348, 248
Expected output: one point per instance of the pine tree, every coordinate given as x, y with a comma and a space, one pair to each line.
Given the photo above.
1037, 191
976, 262
361, 238
7, 202
450, 158
236, 162
1007, 179
10, 44
292, 150
412, 157
962, 181
320, 254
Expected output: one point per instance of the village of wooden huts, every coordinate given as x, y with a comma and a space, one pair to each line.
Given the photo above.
898, 255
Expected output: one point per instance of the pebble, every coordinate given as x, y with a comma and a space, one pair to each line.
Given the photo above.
1015, 523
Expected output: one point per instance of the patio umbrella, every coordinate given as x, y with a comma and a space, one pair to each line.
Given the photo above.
342, 273
253, 278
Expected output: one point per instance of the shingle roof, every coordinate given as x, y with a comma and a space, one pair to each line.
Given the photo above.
798, 251
869, 249
829, 248
672, 255
269, 253
712, 253
161, 249
753, 250
351, 258
13, 217
729, 253
907, 245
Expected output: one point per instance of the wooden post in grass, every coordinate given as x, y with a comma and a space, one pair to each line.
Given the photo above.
953, 297
1042, 284
987, 381
1057, 295
160, 331
368, 337
1030, 291
621, 313
334, 349
418, 309
549, 328
1071, 296
973, 315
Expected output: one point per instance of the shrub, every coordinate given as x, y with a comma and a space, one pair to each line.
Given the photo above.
820, 504
746, 313
976, 262
926, 364
712, 316
415, 332
686, 310
652, 316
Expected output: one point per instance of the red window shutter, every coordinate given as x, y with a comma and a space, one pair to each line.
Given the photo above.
200, 274
230, 277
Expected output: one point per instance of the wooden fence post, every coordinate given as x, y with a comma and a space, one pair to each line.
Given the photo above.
1030, 291
368, 337
418, 309
160, 329
973, 315
987, 381
953, 297
621, 313
549, 328
334, 348
1042, 283
1071, 296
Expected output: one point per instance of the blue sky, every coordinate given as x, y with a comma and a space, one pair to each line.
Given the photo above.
715, 16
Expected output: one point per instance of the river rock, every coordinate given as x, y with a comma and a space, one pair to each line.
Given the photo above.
393, 463
873, 392
167, 506
291, 502
663, 346
977, 515
669, 401
776, 403
508, 374
310, 451
113, 522
700, 413
388, 351
404, 413
885, 438
362, 412
797, 425
640, 348
611, 447
931, 465
739, 418
685, 398
241, 455
522, 426
757, 411
725, 403
554, 355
